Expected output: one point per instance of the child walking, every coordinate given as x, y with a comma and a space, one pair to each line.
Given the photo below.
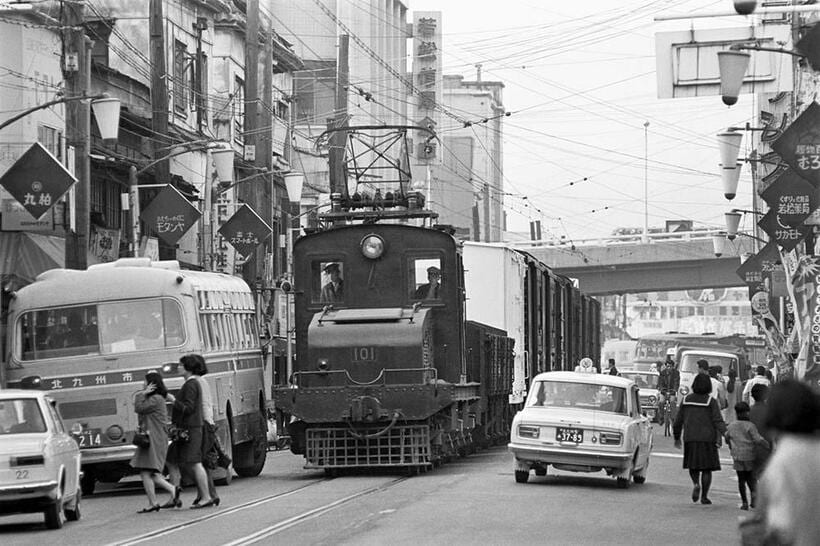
742, 436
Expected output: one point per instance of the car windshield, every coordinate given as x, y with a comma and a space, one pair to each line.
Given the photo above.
566, 394
689, 362
112, 327
642, 380
20, 416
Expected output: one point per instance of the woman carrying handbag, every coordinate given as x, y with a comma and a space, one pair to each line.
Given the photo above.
149, 404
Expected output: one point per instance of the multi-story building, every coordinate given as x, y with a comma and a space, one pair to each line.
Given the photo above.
472, 174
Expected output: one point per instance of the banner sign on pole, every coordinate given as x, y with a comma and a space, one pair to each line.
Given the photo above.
792, 198
37, 180
245, 230
786, 237
169, 215
799, 145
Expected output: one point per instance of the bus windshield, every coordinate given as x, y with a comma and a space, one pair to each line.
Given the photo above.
103, 328
689, 362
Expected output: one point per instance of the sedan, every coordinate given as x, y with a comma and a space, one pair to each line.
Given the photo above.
647, 383
39, 459
582, 423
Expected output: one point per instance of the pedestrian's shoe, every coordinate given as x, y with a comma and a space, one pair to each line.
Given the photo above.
704, 500
744, 506
154, 508
212, 502
696, 493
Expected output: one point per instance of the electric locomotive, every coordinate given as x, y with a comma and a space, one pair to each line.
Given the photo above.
388, 373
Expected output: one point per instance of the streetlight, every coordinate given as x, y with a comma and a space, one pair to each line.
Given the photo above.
223, 156
293, 184
106, 112
720, 241
645, 238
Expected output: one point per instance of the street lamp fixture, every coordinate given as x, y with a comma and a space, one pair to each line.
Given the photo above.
732, 64
721, 239
106, 111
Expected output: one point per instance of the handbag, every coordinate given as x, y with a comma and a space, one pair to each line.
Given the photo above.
178, 434
141, 438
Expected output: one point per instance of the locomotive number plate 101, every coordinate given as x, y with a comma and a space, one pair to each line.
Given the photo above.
364, 354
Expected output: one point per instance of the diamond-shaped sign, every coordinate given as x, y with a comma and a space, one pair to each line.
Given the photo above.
799, 145
754, 270
169, 215
37, 180
786, 237
791, 197
245, 230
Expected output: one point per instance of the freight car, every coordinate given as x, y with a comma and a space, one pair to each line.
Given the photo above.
390, 371
552, 323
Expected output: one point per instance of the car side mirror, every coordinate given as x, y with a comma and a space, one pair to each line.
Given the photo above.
643, 413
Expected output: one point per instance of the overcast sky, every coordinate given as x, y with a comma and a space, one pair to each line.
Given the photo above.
580, 83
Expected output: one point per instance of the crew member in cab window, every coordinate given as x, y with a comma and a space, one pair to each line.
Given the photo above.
334, 290
429, 290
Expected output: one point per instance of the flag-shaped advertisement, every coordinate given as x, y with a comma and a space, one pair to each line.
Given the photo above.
806, 282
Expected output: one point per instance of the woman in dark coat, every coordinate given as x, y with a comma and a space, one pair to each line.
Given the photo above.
699, 417
153, 418
186, 414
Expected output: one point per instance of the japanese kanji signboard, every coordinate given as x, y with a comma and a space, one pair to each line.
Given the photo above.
792, 198
245, 230
169, 215
755, 270
786, 237
799, 145
37, 180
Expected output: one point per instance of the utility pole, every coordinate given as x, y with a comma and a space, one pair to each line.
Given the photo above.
338, 140
159, 104
78, 129
251, 125
268, 188
486, 196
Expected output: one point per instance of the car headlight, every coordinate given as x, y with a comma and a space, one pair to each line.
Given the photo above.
653, 400
684, 391
526, 431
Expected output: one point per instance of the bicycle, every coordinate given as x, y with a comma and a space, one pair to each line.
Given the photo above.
668, 411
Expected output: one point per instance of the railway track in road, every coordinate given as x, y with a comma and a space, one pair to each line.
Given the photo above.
269, 530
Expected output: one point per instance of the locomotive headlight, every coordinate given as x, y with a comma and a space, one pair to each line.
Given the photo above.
372, 246
323, 365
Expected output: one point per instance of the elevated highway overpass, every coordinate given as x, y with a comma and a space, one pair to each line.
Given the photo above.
626, 264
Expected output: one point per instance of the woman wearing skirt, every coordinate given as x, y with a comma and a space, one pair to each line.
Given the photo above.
702, 425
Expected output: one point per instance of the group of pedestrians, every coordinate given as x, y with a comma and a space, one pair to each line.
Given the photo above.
192, 436
774, 440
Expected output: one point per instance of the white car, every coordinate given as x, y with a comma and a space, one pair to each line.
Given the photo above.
647, 383
583, 423
39, 459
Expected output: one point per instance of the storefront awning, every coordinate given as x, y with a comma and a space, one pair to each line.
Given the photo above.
24, 255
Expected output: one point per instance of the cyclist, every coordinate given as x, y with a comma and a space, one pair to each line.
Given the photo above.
668, 382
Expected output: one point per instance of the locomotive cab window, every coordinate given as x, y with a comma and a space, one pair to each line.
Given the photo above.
328, 282
425, 279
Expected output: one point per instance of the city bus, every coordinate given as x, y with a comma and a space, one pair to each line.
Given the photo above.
89, 337
654, 348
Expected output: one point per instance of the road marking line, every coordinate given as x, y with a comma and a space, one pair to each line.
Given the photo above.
680, 456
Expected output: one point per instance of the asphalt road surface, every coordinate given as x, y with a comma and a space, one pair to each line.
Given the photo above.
474, 500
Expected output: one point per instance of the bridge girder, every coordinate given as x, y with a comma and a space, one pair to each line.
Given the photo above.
634, 268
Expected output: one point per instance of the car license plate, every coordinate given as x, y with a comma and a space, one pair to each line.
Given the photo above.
89, 438
572, 435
